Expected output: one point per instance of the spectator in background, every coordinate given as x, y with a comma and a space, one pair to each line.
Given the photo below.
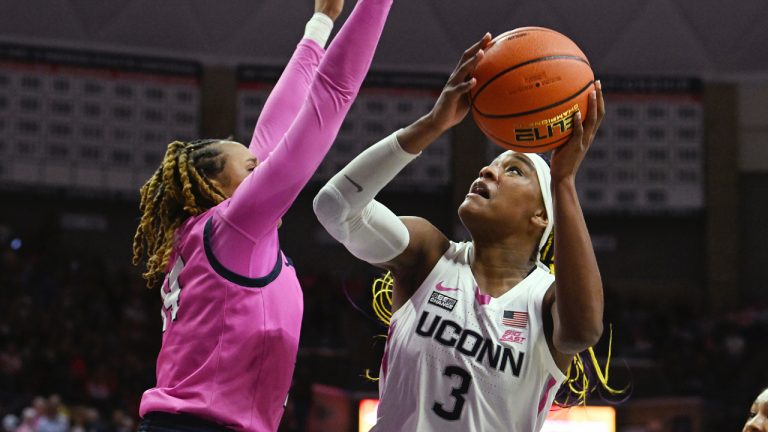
53, 420
39, 404
10, 422
758, 414
28, 418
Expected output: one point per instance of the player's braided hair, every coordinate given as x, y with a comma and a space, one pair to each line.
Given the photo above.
181, 187
583, 371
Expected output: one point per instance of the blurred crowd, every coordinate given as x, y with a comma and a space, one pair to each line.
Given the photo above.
77, 342
79, 337
677, 350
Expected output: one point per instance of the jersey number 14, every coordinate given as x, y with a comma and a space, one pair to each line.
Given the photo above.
171, 298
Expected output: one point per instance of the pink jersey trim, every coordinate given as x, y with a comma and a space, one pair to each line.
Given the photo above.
480, 298
545, 395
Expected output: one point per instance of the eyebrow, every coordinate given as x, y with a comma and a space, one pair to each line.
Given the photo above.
525, 160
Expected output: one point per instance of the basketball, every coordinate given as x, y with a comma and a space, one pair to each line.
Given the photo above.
530, 83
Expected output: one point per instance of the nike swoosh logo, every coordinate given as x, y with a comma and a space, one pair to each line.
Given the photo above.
440, 287
359, 188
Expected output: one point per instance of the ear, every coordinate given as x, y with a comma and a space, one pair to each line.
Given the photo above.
540, 219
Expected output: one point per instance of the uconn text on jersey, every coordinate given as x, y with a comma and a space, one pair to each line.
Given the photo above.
469, 343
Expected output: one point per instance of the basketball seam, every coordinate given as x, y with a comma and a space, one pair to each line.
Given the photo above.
526, 63
552, 105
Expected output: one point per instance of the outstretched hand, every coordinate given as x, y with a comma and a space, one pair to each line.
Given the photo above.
332, 8
567, 158
453, 104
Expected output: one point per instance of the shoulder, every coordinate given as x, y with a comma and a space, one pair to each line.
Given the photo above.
192, 225
426, 244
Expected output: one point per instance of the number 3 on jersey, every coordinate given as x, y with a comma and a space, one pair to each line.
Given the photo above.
457, 393
171, 298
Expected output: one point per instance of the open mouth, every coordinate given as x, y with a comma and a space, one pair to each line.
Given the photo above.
481, 189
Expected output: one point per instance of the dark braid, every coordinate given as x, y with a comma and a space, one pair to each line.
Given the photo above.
548, 252
181, 187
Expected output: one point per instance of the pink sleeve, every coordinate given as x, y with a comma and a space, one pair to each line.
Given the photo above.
252, 215
286, 98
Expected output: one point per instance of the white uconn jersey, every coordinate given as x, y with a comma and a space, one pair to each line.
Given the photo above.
458, 360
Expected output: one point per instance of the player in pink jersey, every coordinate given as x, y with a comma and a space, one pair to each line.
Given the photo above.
232, 304
481, 333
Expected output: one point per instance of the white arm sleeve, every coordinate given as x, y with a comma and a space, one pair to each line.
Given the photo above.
319, 28
346, 208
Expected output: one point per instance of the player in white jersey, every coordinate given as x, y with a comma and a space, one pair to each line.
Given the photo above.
481, 333
757, 421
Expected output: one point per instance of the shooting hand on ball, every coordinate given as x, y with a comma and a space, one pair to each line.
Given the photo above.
567, 158
453, 104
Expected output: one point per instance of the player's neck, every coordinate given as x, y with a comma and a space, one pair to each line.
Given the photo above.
498, 268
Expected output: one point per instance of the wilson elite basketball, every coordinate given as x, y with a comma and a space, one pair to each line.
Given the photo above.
530, 83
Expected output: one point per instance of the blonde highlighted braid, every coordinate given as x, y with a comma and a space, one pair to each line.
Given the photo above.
581, 374
181, 187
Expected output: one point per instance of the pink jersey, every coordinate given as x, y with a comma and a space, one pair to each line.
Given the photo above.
229, 342
232, 304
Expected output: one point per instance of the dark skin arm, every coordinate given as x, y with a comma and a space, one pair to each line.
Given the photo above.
331, 8
573, 306
427, 244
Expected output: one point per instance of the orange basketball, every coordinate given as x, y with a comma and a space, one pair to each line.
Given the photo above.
530, 83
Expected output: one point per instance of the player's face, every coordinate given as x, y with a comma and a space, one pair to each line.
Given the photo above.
505, 197
758, 414
239, 163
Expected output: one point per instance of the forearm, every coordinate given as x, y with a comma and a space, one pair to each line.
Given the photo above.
420, 134
579, 289
350, 54
264, 197
370, 171
288, 95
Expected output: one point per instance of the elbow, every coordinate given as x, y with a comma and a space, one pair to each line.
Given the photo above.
329, 209
578, 338
328, 204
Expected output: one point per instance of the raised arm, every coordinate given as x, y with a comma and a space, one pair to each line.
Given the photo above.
285, 100
576, 298
345, 206
264, 196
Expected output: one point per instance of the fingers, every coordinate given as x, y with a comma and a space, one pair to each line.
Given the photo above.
591, 111
590, 121
468, 62
577, 137
600, 103
595, 114
463, 72
578, 128
471, 51
465, 86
